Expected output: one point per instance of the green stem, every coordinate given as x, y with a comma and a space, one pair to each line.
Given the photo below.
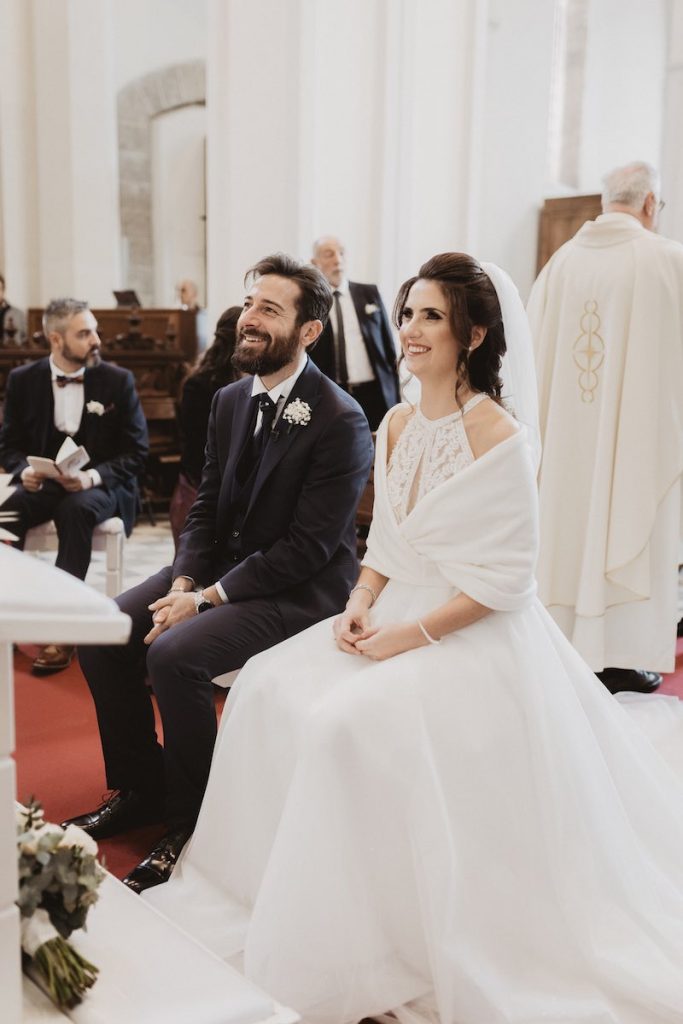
63, 972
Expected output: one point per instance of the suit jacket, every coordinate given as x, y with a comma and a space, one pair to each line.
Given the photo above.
296, 543
377, 336
116, 440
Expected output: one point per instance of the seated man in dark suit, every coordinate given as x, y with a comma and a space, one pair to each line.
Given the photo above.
356, 348
72, 393
268, 549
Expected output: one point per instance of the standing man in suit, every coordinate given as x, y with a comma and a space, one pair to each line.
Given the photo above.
72, 393
356, 348
269, 548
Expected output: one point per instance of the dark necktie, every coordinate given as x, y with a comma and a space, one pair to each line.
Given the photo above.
267, 407
63, 381
256, 443
341, 372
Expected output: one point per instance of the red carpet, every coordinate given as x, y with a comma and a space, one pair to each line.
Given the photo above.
59, 759
58, 755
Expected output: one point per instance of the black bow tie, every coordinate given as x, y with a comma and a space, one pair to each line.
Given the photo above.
63, 381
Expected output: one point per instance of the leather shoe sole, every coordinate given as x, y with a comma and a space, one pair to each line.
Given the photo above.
52, 658
629, 680
158, 867
121, 812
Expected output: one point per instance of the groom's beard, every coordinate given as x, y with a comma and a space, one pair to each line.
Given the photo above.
277, 351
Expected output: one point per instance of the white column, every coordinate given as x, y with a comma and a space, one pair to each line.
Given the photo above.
513, 141
76, 150
18, 154
253, 132
672, 158
432, 158
358, 119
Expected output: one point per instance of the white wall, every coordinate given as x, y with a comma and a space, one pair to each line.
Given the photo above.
150, 34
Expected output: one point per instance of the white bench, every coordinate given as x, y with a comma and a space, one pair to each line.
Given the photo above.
226, 679
108, 536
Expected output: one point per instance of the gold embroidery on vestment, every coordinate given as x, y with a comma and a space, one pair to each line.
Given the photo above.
588, 351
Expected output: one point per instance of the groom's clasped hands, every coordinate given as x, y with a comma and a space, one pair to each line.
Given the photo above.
176, 606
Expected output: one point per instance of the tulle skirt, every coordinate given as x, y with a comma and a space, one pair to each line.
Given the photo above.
475, 832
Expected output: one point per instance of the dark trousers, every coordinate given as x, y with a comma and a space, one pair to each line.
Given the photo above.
75, 515
371, 400
180, 665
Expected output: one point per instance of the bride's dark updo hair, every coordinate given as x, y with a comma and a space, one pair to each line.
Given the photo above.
472, 302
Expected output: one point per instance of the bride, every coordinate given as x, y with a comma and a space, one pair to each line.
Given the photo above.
430, 805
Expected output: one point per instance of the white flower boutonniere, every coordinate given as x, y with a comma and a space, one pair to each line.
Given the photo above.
297, 413
95, 407
371, 308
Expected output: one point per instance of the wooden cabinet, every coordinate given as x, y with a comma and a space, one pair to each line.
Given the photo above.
560, 220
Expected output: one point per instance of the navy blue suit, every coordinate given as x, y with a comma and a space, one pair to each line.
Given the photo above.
284, 550
379, 344
116, 442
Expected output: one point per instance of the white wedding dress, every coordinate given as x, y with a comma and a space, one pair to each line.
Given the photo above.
474, 832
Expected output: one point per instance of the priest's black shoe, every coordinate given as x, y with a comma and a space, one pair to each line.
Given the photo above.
635, 680
121, 810
158, 866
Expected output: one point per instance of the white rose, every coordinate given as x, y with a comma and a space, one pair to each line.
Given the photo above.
371, 308
95, 407
75, 836
49, 829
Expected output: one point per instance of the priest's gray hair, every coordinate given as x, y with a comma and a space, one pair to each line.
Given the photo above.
629, 185
58, 312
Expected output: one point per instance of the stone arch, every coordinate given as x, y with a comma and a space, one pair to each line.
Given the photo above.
143, 99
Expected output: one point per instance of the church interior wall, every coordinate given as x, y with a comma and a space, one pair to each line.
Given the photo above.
406, 127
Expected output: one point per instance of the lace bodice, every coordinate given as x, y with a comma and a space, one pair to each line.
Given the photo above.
427, 453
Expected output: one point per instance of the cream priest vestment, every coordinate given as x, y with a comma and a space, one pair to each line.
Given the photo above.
606, 314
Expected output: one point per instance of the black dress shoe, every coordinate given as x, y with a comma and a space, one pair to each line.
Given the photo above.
636, 680
158, 866
121, 811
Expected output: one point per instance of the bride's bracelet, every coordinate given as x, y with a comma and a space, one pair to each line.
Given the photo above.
426, 635
364, 586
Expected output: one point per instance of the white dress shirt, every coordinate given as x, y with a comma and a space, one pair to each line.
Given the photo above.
278, 396
358, 365
280, 393
68, 403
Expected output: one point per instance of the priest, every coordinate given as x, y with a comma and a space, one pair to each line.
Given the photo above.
606, 314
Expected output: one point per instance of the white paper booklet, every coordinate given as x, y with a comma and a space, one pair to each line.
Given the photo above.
70, 458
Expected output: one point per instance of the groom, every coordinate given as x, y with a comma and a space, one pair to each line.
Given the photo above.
268, 549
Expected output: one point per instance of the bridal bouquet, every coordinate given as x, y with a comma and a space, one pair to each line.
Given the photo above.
58, 879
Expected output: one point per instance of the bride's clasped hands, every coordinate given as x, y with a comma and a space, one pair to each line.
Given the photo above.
355, 635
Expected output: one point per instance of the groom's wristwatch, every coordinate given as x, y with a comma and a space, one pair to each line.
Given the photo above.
201, 603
